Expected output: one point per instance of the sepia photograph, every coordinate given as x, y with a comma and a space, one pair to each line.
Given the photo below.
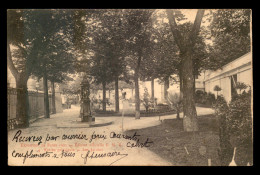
129, 87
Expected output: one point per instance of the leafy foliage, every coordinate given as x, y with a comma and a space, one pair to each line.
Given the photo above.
240, 86
217, 88
205, 98
225, 150
235, 125
230, 32
15, 26
138, 41
240, 117
42, 42
175, 99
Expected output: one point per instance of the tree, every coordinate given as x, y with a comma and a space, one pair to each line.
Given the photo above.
162, 53
241, 86
102, 75
113, 22
165, 52
54, 58
186, 44
138, 26
217, 88
105, 39
101, 68
230, 33
58, 64
20, 71
71, 85
38, 36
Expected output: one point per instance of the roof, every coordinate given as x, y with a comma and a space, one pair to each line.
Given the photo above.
239, 64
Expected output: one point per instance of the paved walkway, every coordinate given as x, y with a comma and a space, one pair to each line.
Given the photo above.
128, 156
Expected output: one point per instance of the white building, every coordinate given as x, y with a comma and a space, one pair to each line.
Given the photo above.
239, 70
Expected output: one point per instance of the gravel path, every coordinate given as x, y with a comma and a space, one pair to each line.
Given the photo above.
110, 151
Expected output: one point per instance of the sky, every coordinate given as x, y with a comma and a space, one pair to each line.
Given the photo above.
190, 14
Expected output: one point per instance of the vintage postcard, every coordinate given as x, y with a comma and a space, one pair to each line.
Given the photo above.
129, 87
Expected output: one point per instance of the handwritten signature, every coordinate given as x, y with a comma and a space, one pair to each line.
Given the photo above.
94, 155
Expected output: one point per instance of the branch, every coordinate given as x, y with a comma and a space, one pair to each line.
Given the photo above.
22, 49
196, 25
173, 25
10, 62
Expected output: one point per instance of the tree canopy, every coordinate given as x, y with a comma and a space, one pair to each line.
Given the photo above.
230, 33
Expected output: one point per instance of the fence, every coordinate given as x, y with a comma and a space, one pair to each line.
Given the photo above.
36, 105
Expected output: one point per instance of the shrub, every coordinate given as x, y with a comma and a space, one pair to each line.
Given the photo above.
175, 99
240, 86
205, 98
235, 126
211, 98
240, 118
162, 107
225, 151
199, 96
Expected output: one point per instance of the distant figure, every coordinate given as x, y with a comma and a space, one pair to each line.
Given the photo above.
68, 103
123, 95
155, 101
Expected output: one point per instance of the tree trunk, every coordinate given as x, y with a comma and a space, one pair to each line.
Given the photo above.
181, 82
22, 105
194, 85
181, 93
137, 99
116, 95
53, 98
104, 96
185, 44
178, 111
152, 88
166, 87
190, 122
46, 96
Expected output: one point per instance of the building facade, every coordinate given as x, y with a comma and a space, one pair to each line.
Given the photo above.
239, 70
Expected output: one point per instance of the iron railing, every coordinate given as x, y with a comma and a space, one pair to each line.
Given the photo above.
36, 105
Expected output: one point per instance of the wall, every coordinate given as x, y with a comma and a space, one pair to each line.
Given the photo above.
36, 103
58, 102
31, 87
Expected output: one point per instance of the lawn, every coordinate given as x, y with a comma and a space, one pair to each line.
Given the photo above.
187, 149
